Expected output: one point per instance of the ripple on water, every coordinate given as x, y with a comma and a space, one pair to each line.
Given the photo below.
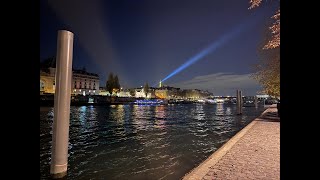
147, 142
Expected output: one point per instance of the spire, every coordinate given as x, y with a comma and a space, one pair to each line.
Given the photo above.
160, 83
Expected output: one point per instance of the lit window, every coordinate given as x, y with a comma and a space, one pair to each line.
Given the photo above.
91, 100
41, 85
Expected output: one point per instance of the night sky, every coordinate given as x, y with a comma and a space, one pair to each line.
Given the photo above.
145, 40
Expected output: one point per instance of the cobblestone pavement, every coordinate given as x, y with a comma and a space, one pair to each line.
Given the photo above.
255, 155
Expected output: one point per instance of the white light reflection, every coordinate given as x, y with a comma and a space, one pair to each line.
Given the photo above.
140, 116
219, 110
200, 115
119, 114
82, 115
228, 111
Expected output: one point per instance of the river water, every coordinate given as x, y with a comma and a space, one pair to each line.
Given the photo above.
141, 142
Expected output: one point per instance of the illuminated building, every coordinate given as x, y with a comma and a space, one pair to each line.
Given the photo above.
167, 92
47, 81
103, 91
124, 93
162, 93
139, 93
85, 83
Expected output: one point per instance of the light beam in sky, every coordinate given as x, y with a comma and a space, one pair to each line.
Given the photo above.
211, 48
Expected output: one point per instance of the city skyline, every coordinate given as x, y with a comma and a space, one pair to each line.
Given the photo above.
144, 42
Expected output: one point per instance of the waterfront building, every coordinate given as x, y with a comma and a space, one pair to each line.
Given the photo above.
103, 91
195, 94
121, 93
83, 82
124, 93
139, 93
162, 93
167, 92
47, 81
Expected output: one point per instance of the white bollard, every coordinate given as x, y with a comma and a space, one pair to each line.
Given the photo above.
239, 102
60, 132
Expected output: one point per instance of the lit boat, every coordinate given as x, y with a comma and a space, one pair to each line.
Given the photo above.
214, 101
149, 102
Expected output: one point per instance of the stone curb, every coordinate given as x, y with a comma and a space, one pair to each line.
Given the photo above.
201, 170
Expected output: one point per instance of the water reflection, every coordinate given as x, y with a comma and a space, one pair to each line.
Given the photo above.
160, 112
219, 110
140, 115
141, 142
82, 115
199, 114
141, 111
160, 115
228, 111
118, 113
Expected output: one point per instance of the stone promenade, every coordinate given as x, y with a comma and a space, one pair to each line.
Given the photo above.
253, 153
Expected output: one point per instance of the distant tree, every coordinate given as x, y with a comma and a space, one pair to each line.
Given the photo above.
110, 83
268, 72
47, 63
275, 28
146, 89
116, 83
132, 92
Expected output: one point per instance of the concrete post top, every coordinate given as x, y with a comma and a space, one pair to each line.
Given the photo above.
66, 31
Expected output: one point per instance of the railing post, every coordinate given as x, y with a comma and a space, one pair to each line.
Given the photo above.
256, 101
241, 102
237, 95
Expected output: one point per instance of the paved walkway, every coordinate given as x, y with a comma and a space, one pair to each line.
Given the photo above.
253, 153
